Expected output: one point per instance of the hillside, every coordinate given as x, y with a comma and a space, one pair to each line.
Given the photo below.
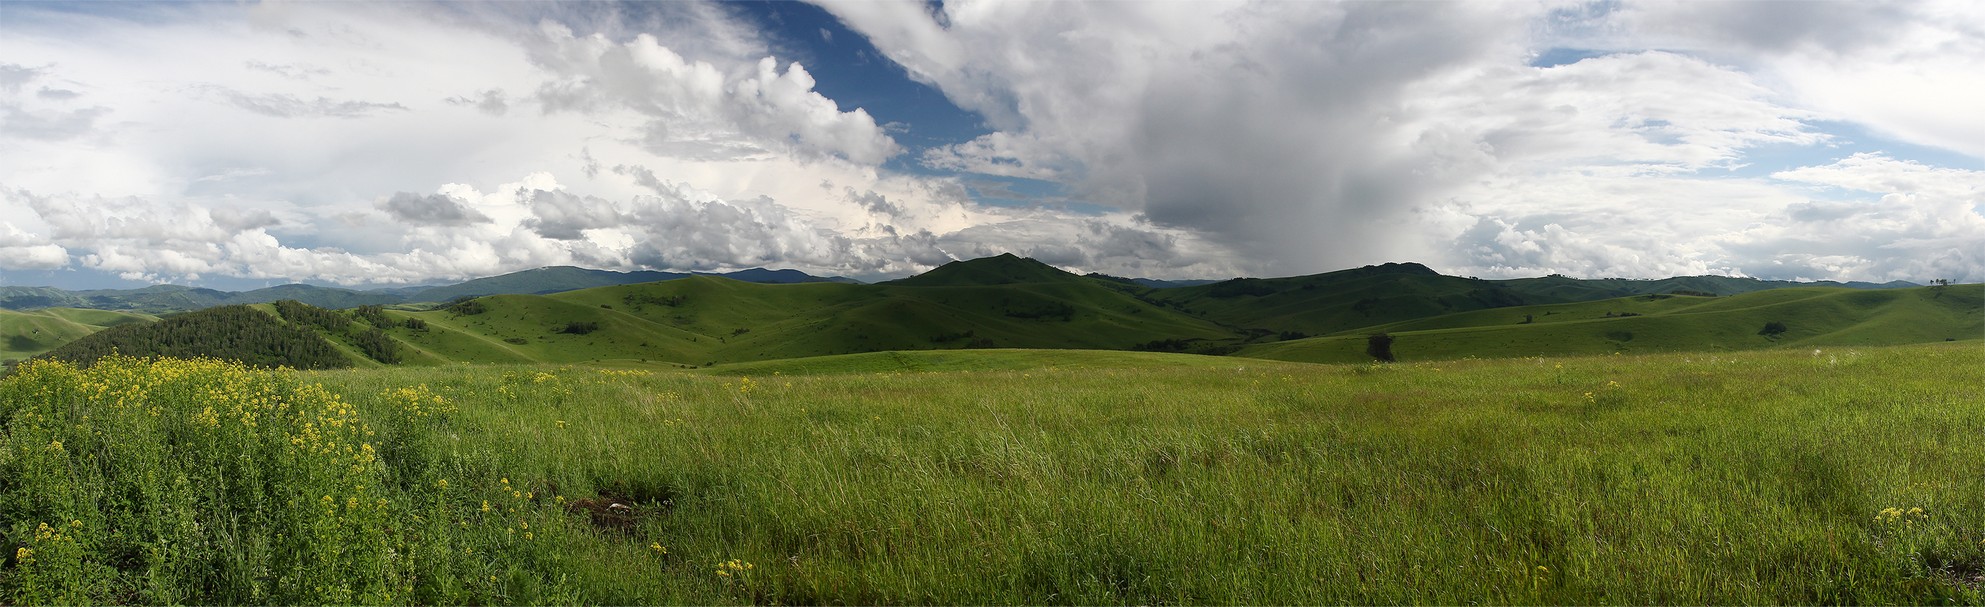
706, 320
239, 333
1812, 316
1012, 302
1336, 301
25, 334
1004, 269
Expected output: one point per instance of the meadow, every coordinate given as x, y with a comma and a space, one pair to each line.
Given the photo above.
1831, 475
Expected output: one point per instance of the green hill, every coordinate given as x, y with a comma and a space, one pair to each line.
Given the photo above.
705, 320
1336, 301
240, 333
25, 334
1812, 316
1012, 302
1004, 269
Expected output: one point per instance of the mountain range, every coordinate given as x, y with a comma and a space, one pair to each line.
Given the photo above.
1014, 302
160, 299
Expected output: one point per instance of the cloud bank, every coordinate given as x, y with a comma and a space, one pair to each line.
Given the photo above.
408, 142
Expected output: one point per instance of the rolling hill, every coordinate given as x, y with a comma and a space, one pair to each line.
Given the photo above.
25, 334
1812, 316
1013, 302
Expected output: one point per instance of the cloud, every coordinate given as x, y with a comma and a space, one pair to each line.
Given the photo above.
293, 72
1274, 129
433, 209
563, 216
1907, 69
280, 105
489, 102
743, 108
874, 203
47, 115
23, 251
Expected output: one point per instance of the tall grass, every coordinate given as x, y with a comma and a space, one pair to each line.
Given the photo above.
1852, 476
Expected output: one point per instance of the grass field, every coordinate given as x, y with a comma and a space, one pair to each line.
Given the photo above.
1831, 475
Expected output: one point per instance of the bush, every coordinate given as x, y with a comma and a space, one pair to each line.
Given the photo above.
580, 327
1773, 329
1379, 346
467, 307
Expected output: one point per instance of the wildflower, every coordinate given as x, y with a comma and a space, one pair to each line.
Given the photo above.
55, 446
24, 556
561, 423
658, 548
443, 483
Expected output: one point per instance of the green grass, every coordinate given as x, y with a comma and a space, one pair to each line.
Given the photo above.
1006, 477
700, 320
26, 334
1815, 316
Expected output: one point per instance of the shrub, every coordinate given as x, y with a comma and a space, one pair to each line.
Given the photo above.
1379, 346
1773, 329
580, 327
467, 307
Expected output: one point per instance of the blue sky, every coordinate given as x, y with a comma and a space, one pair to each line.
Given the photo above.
243, 145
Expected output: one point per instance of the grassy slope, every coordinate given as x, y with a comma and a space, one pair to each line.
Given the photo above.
25, 334
1815, 316
1103, 478
1327, 303
705, 319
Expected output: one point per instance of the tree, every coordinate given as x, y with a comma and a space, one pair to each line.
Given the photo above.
1379, 346
1773, 329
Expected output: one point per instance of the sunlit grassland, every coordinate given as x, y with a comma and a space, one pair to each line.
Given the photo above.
1838, 475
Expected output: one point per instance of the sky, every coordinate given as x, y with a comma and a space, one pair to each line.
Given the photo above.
240, 145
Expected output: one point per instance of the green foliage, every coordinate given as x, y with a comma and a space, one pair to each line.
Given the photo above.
467, 307
374, 315
580, 327
304, 314
237, 333
1773, 329
1379, 346
375, 344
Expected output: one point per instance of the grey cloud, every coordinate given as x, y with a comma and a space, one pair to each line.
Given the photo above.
433, 209
281, 105
57, 94
14, 76
875, 203
587, 164
1274, 129
290, 71
563, 216
48, 125
490, 102
642, 176
238, 220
